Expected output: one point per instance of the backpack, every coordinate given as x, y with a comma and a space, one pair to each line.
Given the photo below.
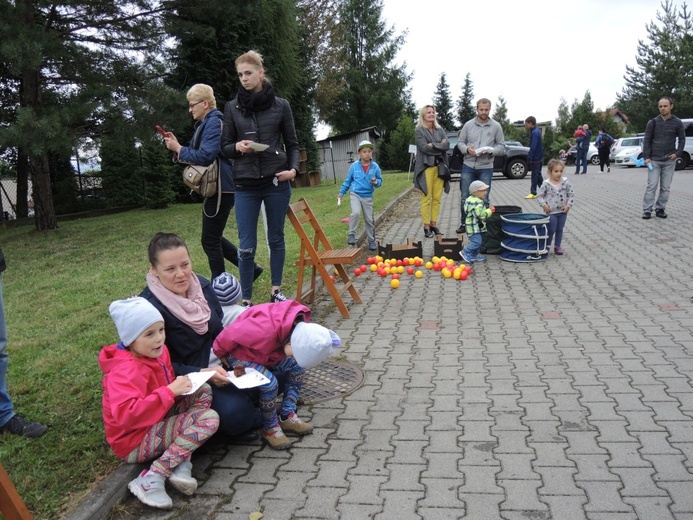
607, 141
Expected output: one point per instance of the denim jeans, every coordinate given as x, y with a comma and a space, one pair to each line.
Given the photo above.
581, 159
6, 410
467, 176
215, 245
662, 174
473, 246
537, 179
555, 228
248, 202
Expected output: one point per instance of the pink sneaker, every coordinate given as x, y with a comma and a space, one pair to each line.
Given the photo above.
558, 250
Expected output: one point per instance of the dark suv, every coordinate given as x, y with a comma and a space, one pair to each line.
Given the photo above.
512, 164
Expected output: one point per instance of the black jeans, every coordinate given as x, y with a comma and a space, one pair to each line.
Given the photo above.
216, 247
604, 158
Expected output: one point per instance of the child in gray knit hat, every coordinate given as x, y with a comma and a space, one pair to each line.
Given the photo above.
228, 290
148, 412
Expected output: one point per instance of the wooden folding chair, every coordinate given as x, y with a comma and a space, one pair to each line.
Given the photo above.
317, 252
11, 504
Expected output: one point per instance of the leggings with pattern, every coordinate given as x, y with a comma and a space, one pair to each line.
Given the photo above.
187, 426
269, 391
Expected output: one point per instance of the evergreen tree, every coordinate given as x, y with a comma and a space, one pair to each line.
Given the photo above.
364, 88
465, 104
664, 68
93, 48
212, 34
397, 149
443, 103
510, 131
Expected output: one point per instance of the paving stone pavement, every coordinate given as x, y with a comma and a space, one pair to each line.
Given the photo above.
554, 390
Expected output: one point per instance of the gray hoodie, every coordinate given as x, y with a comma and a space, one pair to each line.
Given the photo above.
476, 134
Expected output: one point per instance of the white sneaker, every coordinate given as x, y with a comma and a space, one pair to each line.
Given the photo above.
150, 489
182, 478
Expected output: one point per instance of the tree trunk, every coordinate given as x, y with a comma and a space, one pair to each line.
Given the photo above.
44, 212
30, 96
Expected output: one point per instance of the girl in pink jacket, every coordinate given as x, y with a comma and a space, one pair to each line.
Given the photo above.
146, 414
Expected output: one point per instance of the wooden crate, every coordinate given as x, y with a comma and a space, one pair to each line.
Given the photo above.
401, 251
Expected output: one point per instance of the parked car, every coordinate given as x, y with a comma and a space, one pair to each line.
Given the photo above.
628, 155
685, 160
622, 143
512, 164
592, 155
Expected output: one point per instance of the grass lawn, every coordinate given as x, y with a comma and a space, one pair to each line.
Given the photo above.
57, 290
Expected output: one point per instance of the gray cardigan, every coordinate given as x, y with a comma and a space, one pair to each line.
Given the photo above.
426, 155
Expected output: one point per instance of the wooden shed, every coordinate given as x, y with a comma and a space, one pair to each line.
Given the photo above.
337, 152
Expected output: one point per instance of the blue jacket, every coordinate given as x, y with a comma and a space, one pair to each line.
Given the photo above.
205, 147
536, 147
360, 181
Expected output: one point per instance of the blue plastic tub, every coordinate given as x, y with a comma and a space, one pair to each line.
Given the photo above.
526, 237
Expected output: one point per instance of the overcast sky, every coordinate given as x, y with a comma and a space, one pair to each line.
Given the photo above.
533, 53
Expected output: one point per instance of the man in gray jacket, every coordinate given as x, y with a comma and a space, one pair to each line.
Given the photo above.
661, 149
479, 140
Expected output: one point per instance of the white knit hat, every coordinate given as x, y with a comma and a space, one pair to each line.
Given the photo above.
312, 343
132, 317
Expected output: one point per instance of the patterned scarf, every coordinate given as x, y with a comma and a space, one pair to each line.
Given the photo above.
192, 310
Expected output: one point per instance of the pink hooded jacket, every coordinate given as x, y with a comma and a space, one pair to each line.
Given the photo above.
260, 332
135, 395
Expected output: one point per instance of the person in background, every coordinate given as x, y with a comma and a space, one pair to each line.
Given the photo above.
603, 144
663, 143
479, 139
583, 146
146, 412
535, 157
204, 149
256, 122
431, 148
364, 176
556, 197
10, 422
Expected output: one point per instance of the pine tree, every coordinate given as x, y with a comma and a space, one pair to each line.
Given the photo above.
397, 149
664, 68
443, 103
465, 103
95, 49
364, 87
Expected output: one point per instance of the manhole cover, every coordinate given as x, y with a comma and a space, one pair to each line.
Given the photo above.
329, 380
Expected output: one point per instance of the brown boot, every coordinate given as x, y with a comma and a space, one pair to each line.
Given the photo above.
276, 439
295, 426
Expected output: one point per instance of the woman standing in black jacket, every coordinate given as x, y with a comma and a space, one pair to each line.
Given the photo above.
256, 122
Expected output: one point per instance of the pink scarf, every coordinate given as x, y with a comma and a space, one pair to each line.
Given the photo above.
192, 310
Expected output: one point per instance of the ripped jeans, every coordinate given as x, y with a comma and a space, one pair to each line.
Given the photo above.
248, 202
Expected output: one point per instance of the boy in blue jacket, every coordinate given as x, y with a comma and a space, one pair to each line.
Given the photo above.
364, 176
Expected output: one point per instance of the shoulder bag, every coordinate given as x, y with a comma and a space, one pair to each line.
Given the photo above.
443, 169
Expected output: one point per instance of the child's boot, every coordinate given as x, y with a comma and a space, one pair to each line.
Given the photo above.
276, 439
182, 478
150, 489
293, 425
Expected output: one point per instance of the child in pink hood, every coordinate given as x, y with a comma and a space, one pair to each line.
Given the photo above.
146, 414
277, 335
